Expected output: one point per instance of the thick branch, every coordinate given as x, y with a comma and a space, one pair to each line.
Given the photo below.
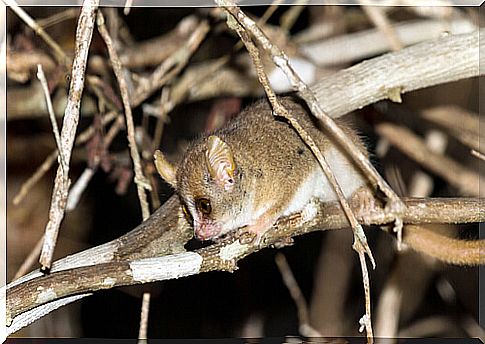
372, 42
164, 232
221, 256
386, 77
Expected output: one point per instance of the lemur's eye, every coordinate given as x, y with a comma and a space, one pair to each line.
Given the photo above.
203, 205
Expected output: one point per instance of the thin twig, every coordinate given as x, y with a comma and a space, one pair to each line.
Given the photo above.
49, 160
38, 174
127, 8
171, 66
289, 279
466, 180
78, 188
453, 118
61, 56
145, 309
289, 18
165, 105
21, 64
393, 296
153, 51
58, 52
331, 284
140, 180
59, 17
461, 124
378, 17
467, 139
421, 184
366, 320
263, 19
113, 131
71, 118
477, 154
52, 116
83, 181
269, 11
30, 260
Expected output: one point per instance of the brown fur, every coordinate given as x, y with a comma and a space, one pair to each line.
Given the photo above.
271, 160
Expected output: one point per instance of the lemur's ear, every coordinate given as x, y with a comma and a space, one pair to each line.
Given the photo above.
165, 169
220, 162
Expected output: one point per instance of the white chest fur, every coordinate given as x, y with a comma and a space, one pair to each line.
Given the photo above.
317, 185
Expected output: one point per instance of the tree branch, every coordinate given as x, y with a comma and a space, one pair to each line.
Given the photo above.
388, 76
140, 179
84, 34
121, 267
367, 43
